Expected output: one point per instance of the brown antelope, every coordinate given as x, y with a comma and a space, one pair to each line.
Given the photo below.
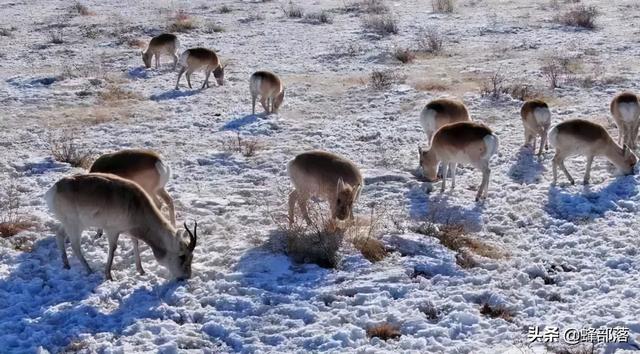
581, 137
625, 109
165, 43
117, 205
197, 58
440, 112
536, 119
325, 175
461, 142
270, 89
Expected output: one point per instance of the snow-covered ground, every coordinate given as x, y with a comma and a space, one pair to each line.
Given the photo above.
572, 251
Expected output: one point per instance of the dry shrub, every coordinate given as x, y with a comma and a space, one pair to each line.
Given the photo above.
382, 25
256, 16
442, 6
181, 22
426, 85
377, 7
404, 55
224, 9
136, 43
292, 10
321, 17
580, 16
384, 331
430, 311
381, 80
430, 40
247, 147
65, 149
117, 93
364, 236
56, 37
493, 87
497, 312
12, 220
454, 237
557, 69
82, 9
523, 92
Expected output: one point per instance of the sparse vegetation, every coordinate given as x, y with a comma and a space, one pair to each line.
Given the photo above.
293, 10
257, 16
381, 80
181, 22
430, 311
65, 149
224, 9
363, 236
442, 6
404, 55
238, 144
12, 221
6, 31
384, 331
497, 312
118, 93
382, 25
56, 37
321, 17
377, 7
493, 87
81, 9
213, 28
429, 40
555, 70
580, 16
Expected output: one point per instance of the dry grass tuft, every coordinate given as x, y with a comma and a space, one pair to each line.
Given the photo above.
442, 6
426, 85
292, 10
497, 312
224, 9
580, 16
181, 22
404, 55
12, 220
82, 9
363, 234
136, 43
382, 80
322, 17
56, 37
430, 311
430, 40
247, 147
384, 331
383, 25
377, 7
64, 149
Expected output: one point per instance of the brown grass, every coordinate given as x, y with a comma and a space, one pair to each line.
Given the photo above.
136, 43
384, 331
426, 85
82, 9
181, 22
404, 55
430, 40
580, 16
381, 80
382, 25
64, 149
363, 234
497, 312
442, 6
248, 147
12, 220
117, 93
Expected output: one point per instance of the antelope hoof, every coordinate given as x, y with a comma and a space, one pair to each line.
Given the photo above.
108, 276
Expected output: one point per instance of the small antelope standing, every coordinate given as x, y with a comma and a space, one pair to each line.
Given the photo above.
581, 137
440, 112
325, 175
536, 119
165, 43
270, 89
461, 142
144, 167
197, 58
625, 108
117, 205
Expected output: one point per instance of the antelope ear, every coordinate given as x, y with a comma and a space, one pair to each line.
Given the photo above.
340, 184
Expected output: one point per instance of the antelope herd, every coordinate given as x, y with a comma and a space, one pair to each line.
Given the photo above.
122, 191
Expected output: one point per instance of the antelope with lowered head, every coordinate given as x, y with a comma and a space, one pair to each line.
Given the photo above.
327, 176
165, 43
625, 109
581, 137
117, 205
200, 58
269, 87
536, 119
461, 142
440, 112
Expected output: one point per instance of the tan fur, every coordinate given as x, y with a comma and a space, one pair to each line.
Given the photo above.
270, 89
625, 109
165, 43
116, 205
324, 175
581, 137
536, 119
461, 142
200, 58
440, 112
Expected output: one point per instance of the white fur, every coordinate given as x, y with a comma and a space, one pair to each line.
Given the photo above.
492, 142
629, 111
428, 121
542, 116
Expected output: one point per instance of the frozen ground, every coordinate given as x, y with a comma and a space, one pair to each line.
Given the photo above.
573, 256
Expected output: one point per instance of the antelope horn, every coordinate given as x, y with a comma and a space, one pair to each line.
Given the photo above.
193, 237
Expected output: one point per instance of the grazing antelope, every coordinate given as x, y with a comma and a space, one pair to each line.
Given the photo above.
581, 137
270, 89
461, 142
117, 205
325, 175
197, 58
146, 169
625, 108
536, 119
440, 112
165, 43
